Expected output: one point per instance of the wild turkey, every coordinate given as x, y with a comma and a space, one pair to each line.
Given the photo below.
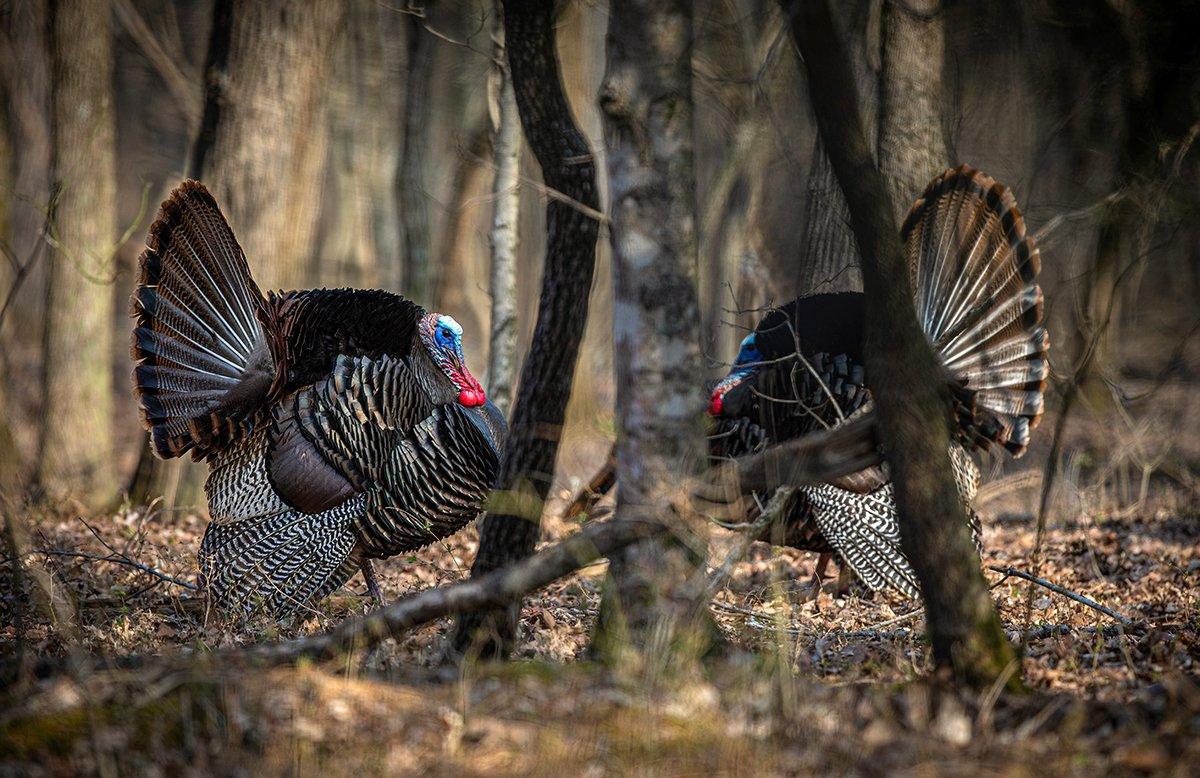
339, 425
973, 270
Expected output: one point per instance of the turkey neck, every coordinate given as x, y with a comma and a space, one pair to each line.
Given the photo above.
437, 385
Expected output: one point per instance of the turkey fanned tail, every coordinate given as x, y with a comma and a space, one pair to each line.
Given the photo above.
974, 273
202, 364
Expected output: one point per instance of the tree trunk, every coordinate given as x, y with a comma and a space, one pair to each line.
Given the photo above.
360, 213
25, 68
912, 137
257, 169
76, 451
829, 259
417, 278
267, 159
506, 200
511, 530
653, 594
909, 392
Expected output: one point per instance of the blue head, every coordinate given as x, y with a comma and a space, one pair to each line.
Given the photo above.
747, 363
442, 337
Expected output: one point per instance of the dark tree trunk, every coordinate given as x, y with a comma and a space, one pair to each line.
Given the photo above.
828, 257
910, 395
511, 530
654, 592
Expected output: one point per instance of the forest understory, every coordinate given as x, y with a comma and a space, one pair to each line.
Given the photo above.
847, 686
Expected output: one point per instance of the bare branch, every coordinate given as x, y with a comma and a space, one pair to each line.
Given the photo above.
117, 559
493, 590
1015, 573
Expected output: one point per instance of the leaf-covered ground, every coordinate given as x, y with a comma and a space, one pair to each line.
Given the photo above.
836, 683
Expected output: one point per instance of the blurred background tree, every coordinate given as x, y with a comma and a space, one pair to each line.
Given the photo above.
353, 144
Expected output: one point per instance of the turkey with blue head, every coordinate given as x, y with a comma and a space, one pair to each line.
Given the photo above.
339, 425
974, 272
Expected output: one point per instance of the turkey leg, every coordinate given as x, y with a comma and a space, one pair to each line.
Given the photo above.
368, 574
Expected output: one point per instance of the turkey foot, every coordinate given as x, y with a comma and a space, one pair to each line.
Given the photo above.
818, 584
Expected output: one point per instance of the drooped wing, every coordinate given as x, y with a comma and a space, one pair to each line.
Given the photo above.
310, 330
333, 440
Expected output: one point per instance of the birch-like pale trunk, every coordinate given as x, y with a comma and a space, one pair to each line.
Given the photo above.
511, 528
652, 592
506, 155
76, 451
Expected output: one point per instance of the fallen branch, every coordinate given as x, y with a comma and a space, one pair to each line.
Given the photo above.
845, 449
1015, 573
493, 590
118, 559
772, 512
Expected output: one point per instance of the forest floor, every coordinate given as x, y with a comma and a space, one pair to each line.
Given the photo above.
837, 683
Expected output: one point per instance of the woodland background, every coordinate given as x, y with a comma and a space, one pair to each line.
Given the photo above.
364, 144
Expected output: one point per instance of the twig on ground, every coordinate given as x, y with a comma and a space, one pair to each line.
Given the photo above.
1014, 572
118, 559
772, 512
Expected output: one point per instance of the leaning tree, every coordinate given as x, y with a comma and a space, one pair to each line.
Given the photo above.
510, 530
911, 400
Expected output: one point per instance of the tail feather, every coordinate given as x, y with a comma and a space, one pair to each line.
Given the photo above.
277, 563
974, 273
201, 355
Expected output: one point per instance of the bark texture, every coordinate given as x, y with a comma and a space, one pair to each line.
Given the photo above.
654, 588
510, 531
25, 69
909, 394
506, 200
829, 259
269, 141
417, 278
912, 138
360, 241
76, 451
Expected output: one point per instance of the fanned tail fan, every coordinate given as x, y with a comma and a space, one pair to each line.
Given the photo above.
201, 355
974, 274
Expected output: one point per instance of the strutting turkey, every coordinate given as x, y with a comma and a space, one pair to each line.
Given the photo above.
973, 269
339, 425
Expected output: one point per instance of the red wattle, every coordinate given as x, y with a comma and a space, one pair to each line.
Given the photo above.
471, 398
716, 405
